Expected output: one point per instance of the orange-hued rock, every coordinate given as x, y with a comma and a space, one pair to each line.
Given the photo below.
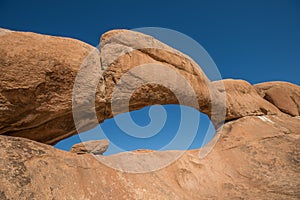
124, 50
38, 81
36, 84
285, 96
256, 157
38, 76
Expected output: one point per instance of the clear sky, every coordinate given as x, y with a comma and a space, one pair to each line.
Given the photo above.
254, 40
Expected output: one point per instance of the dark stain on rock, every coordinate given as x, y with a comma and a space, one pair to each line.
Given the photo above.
17, 173
3, 196
25, 148
263, 110
294, 159
18, 152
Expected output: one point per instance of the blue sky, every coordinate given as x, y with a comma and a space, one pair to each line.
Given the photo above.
254, 40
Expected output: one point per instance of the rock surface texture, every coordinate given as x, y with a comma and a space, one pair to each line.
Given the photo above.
257, 155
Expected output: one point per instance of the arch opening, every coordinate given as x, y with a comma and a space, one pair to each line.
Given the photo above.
177, 131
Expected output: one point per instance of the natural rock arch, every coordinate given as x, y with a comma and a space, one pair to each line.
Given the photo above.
37, 102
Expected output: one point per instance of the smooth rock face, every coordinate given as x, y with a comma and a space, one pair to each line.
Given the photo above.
256, 157
285, 96
96, 147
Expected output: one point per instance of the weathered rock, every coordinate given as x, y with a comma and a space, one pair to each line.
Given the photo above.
256, 157
96, 147
285, 96
36, 83
124, 50
36, 103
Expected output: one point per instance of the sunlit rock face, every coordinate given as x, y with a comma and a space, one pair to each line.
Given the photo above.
256, 156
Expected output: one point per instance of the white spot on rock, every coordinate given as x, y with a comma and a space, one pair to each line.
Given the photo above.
265, 119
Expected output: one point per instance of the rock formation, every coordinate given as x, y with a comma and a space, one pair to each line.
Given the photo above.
256, 156
37, 104
96, 147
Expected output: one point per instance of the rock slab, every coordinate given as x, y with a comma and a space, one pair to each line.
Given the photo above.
96, 147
